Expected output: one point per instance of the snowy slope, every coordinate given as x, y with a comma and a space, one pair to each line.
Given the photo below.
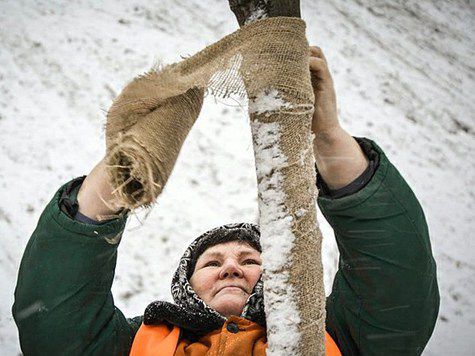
404, 74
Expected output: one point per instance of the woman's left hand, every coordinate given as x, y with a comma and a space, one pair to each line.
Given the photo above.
339, 157
325, 117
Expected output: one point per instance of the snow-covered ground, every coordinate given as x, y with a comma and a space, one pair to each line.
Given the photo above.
404, 75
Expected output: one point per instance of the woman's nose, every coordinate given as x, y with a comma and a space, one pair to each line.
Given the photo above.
230, 268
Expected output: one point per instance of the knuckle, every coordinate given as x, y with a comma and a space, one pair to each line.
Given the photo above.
317, 61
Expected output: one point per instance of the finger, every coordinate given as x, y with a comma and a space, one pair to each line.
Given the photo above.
316, 51
318, 66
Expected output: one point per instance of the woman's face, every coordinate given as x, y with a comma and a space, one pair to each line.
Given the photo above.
225, 276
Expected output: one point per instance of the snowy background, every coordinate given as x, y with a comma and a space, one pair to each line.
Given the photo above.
404, 76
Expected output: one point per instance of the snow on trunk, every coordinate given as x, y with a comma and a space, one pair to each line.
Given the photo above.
277, 240
283, 302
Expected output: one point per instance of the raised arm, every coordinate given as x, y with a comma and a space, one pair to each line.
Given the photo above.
385, 297
63, 300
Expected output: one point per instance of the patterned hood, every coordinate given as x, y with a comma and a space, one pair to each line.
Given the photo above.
189, 312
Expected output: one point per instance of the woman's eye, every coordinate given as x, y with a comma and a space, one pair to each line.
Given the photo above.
212, 264
251, 262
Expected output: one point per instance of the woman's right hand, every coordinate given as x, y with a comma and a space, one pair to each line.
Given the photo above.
95, 197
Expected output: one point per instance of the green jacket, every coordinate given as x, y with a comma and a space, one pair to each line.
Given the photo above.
384, 300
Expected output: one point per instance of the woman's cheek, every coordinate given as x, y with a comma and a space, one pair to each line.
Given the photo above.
208, 281
256, 274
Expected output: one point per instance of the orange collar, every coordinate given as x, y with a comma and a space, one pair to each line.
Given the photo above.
237, 337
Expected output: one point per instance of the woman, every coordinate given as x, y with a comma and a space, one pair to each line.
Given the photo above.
384, 299
219, 300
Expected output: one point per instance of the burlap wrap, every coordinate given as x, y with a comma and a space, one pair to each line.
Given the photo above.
149, 121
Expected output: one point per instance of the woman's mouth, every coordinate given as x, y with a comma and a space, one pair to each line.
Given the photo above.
232, 289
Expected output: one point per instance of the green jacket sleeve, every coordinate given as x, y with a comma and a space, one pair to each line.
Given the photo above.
63, 300
385, 297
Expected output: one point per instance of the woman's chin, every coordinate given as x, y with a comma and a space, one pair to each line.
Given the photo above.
229, 304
